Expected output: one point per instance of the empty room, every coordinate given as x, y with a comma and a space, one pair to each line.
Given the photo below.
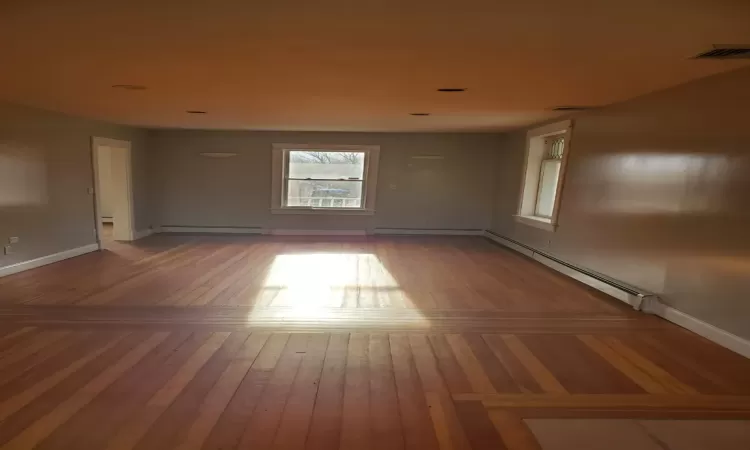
365, 225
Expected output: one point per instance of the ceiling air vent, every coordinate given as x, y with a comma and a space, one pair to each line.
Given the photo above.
571, 108
130, 87
726, 52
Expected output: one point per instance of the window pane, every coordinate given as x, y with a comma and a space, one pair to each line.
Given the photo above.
324, 194
547, 187
326, 165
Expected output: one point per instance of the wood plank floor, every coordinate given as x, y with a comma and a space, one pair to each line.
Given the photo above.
400, 342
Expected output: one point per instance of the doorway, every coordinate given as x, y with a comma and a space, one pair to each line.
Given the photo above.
113, 190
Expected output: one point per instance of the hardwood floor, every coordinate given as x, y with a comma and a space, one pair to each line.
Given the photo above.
399, 342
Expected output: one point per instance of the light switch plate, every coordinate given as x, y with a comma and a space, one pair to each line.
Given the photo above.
14, 240
8, 249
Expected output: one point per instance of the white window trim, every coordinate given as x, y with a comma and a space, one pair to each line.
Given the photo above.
537, 222
372, 159
531, 172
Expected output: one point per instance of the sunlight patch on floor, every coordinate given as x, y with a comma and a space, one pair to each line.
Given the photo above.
327, 286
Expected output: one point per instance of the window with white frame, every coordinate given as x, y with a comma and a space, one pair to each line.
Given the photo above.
324, 178
546, 156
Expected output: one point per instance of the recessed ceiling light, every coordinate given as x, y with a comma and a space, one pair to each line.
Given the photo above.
129, 87
194, 111
419, 114
451, 89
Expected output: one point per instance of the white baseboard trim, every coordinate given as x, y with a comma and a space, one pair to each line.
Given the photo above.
49, 259
427, 231
701, 328
214, 230
283, 232
647, 303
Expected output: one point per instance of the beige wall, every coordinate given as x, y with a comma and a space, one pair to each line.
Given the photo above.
454, 193
657, 194
49, 207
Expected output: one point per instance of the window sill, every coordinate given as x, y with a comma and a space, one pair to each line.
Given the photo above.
537, 222
325, 211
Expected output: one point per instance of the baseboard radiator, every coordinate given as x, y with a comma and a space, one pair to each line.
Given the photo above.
635, 297
646, 302
208, 229
430, 231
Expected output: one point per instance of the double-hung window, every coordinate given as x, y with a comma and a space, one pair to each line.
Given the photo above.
549, 175
324, 178
547, 149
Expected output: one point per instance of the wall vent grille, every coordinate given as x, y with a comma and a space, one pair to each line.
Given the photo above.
722, 52
570, 108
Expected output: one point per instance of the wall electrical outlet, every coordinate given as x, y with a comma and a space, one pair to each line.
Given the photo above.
14, 240
8, 250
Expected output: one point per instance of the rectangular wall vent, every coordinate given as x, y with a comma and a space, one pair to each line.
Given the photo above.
726, 52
